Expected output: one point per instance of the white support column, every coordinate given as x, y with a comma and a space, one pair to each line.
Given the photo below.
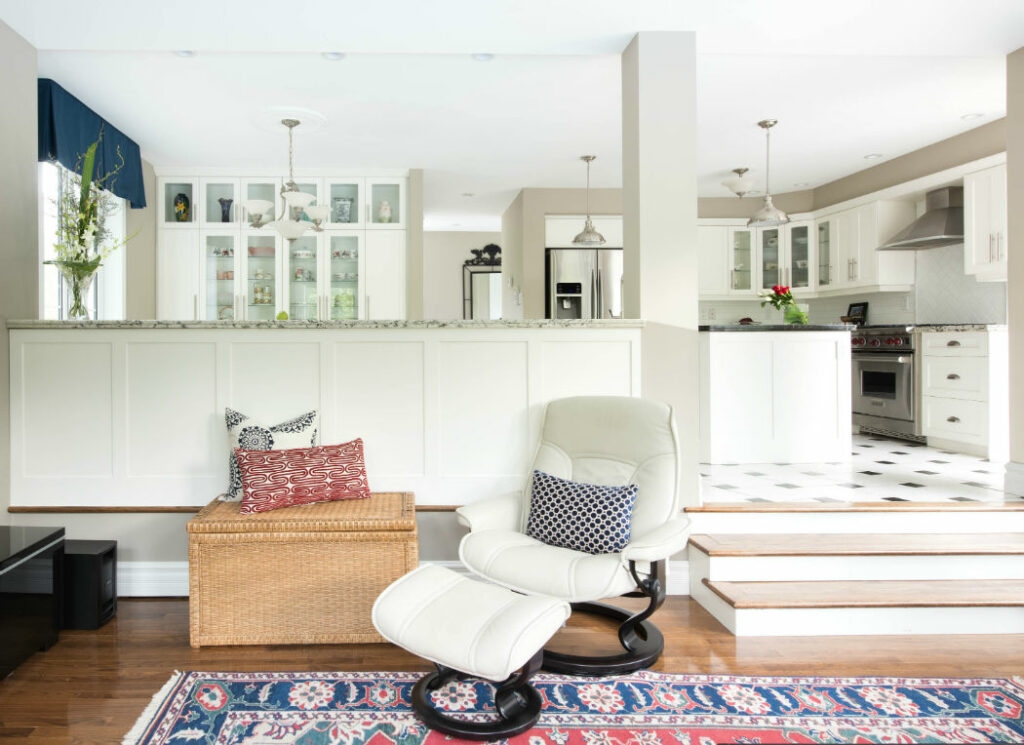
1015, 264
659, 179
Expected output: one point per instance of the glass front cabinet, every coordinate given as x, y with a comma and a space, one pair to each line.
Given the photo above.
247, 273
773, 269
799, 270
741, 261
825, 253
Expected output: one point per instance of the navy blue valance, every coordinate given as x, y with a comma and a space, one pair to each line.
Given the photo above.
67, 127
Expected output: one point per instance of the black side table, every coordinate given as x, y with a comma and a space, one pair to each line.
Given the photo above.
90, 583
31, 568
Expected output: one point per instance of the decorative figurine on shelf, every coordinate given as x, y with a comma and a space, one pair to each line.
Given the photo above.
477, 259
384, 211
493, 252
181, 208
343, 209
225, 209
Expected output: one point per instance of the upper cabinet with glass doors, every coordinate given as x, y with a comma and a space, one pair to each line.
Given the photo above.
345, 198
825, 253
385, 203
218, 202
772, 251
799, 270
741, 261
177, 202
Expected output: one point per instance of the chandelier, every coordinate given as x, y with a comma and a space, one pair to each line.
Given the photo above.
289, 223
589, 236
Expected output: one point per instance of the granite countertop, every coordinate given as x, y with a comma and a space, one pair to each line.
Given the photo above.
779, 327
521, 324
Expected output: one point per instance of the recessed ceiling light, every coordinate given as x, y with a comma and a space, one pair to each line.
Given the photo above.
872, 156
333, 56
975, 115
802, 184
185, 52
456, 224
483, 56
468, 194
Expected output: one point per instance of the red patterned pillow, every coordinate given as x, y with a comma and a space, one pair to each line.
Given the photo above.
285, 478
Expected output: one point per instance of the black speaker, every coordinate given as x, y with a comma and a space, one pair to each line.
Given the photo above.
90, 583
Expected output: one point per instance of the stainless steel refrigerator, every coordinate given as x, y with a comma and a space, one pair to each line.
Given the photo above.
584, 283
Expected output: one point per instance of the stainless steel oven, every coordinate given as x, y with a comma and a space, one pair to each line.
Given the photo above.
885, 381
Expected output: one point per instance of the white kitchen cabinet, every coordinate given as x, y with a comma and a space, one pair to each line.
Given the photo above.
177, 275
743, 261
220, 276
965, 392
385, 203
800, 255
712, 260
209, 268
848, 255
985, 223
384, 294
771, 252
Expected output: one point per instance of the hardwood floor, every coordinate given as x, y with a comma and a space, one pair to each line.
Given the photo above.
90, 687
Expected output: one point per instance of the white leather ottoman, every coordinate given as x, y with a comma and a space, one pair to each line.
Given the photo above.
470, 628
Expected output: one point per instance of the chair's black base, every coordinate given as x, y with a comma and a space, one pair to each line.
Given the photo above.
641, 640
517, 702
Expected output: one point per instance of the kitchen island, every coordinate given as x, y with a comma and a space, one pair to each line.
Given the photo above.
775, 394
115, 414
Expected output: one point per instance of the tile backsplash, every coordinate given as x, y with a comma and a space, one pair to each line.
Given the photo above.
943, 293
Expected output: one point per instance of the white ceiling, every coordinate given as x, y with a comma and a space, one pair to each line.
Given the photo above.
844, 80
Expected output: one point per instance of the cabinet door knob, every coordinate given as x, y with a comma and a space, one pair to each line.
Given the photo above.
952, 419
952, 376
952, 343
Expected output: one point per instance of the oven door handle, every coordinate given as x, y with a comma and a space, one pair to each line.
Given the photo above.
901, 360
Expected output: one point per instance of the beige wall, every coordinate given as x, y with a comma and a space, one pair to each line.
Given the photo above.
414, 248
140, 269
726, 207
512, 257
444, 253
1015, 255
19, 238
988, 139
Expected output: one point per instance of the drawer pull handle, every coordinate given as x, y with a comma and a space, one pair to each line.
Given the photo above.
952, 419
952, 376
952, 343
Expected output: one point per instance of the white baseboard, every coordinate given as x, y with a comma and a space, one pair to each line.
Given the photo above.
1014, 480
169, 579
152, 579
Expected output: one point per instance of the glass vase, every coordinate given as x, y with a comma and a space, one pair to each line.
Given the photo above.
77, 277
795, 315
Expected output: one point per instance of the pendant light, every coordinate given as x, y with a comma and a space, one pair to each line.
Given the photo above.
739, 184
588, 237
769, 215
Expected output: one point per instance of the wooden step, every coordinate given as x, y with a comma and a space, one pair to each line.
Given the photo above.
828, 507
854, 544
884, 594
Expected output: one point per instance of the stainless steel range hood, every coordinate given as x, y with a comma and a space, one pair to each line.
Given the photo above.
942, 223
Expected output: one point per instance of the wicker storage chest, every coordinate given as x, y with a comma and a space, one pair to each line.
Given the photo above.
297, 575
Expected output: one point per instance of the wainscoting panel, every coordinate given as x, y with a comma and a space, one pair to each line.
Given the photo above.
165, 386
134, 417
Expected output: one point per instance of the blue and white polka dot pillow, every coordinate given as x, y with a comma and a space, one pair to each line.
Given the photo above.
584, 517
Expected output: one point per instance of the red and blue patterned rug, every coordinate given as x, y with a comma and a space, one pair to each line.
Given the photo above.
641, 709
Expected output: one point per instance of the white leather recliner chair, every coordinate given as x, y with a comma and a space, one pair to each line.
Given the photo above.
606, 440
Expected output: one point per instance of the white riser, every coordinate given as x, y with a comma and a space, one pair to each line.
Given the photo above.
825, 568
857, 522
859, 621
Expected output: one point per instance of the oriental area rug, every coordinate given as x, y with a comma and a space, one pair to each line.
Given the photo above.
644, 708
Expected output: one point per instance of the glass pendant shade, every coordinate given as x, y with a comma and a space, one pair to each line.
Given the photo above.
290, 229
588, 236
298, 198
317, 212
739, 184
257, 206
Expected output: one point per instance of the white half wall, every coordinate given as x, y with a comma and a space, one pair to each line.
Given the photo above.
452, 414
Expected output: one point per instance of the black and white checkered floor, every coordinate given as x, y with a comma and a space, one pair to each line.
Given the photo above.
880, 469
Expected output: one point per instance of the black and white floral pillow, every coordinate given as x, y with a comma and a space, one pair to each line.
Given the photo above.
250, 434
584, 517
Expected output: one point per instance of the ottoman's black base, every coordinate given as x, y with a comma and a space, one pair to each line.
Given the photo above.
517, 702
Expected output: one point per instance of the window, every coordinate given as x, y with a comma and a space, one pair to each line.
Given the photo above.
107, 295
